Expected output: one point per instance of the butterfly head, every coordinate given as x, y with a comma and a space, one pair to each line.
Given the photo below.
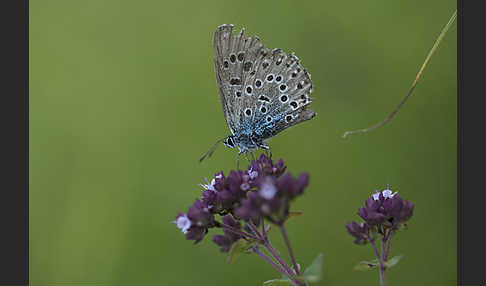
245, 142
230, 141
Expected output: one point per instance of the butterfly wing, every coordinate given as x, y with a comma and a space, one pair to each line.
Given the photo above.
282, 91
234, 62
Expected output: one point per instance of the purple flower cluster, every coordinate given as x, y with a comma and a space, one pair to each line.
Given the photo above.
196, 221
360, 231
383, 211
264, 190
228, 238
272, 198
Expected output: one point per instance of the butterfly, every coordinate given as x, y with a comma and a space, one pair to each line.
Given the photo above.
262, 91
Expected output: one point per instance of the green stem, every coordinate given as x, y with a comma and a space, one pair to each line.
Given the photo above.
419, 74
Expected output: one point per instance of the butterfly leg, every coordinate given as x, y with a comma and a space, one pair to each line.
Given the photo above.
253, 155
246, 156
267, 151
238, 160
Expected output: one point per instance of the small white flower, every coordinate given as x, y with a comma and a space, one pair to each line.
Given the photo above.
209, 186
376, 196
245, 186
183, 223
388, 194
267, 189
252, 174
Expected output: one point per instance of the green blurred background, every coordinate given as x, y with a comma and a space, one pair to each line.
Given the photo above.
123, 101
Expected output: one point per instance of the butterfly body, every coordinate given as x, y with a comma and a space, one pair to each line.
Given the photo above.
262, 91
249, 138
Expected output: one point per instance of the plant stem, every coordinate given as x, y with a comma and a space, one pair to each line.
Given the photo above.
389, 239
255, 230
375, 249
291, 253
264, 233
268, 246
269, 260
419, 74
239, 232
382, 261
378, 256
276, 266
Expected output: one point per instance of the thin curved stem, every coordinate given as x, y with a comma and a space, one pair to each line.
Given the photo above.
278, 267
389, 239
255, 230
268, 246
264, 232
291, 253
378, 256
239, 232
376, 250
269, 260
419, 74
382, 262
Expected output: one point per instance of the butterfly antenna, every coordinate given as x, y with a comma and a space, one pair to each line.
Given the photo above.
211, 150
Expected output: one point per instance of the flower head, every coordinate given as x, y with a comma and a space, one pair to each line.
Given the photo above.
398, 210
264, 166
360, 231
228, 238
267, 189
386, 208
383, 211
272, 198
261, 191
196, 222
